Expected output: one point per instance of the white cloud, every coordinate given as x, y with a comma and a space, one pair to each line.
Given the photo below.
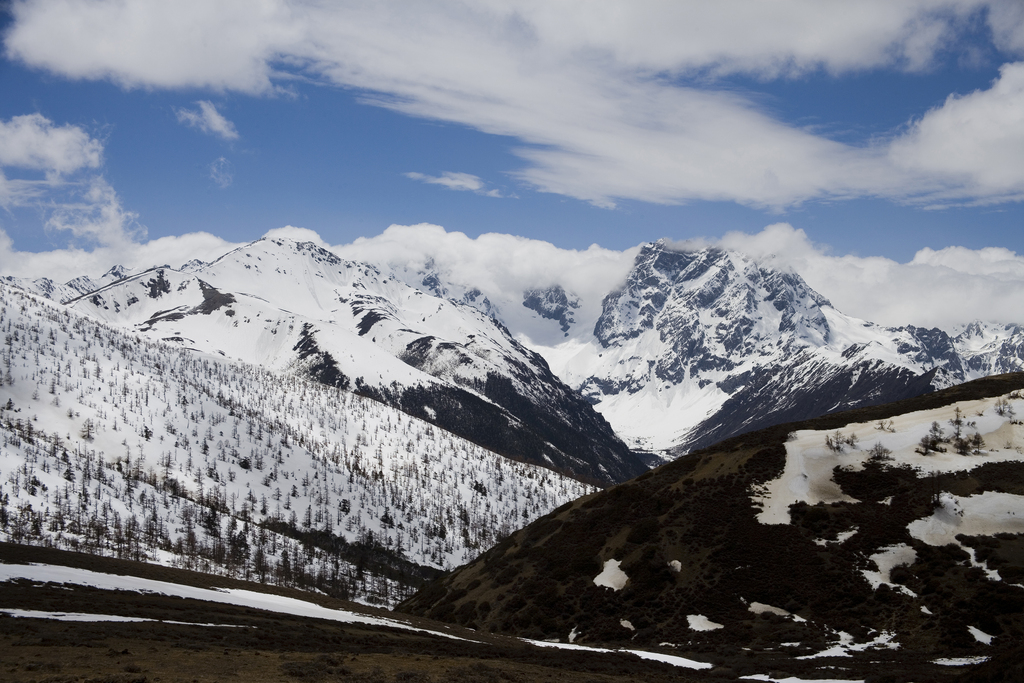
95, 216
610, 100
208, 120
222, 172
298, 234
33, 142
1006, 19
941, 288
973, 144
20, 192
63, 184
223, 45
456, 181
494, 261
62, 265
502, 267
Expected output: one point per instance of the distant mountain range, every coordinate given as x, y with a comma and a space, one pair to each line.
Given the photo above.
693, 346
697, 346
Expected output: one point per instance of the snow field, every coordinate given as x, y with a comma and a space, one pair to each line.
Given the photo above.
807, 476
230, 596
243, 598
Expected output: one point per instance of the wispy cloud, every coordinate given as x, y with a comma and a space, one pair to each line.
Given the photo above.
208, 120
608, 100
222, 172
457, 181
59, 175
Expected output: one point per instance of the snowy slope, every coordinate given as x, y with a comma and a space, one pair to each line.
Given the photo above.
293, 306
118, 445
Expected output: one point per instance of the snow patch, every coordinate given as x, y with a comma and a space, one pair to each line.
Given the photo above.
845, 646
807, 475
88, 617
243, 598
676, 566
762, 608
841, 538
699, 622
960, 661
980, 635
887, 559
642, 654
611, 576
794, 679
626, 623
984, 514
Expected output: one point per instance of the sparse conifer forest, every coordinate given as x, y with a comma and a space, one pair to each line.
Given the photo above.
119, 446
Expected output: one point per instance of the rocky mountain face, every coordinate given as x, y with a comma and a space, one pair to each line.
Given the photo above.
699, 345
884, 538
295, 307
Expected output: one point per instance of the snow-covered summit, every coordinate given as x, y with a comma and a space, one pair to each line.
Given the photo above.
295, 307
700, 344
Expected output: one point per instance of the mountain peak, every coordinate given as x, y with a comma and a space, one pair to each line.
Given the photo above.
714, 300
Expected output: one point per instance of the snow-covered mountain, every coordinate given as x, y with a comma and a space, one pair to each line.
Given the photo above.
295, 307
698, 345
679, 350
63, 292
115, 444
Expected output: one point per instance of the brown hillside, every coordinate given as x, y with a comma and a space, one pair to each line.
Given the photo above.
697, 511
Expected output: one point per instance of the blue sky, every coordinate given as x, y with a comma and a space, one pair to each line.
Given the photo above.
876, 127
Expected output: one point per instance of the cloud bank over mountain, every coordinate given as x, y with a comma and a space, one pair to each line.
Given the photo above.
937, 288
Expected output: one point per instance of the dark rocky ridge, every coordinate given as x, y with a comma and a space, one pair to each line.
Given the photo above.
765, 396
554, 304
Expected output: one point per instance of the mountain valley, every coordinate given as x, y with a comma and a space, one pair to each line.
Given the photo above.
400, 434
